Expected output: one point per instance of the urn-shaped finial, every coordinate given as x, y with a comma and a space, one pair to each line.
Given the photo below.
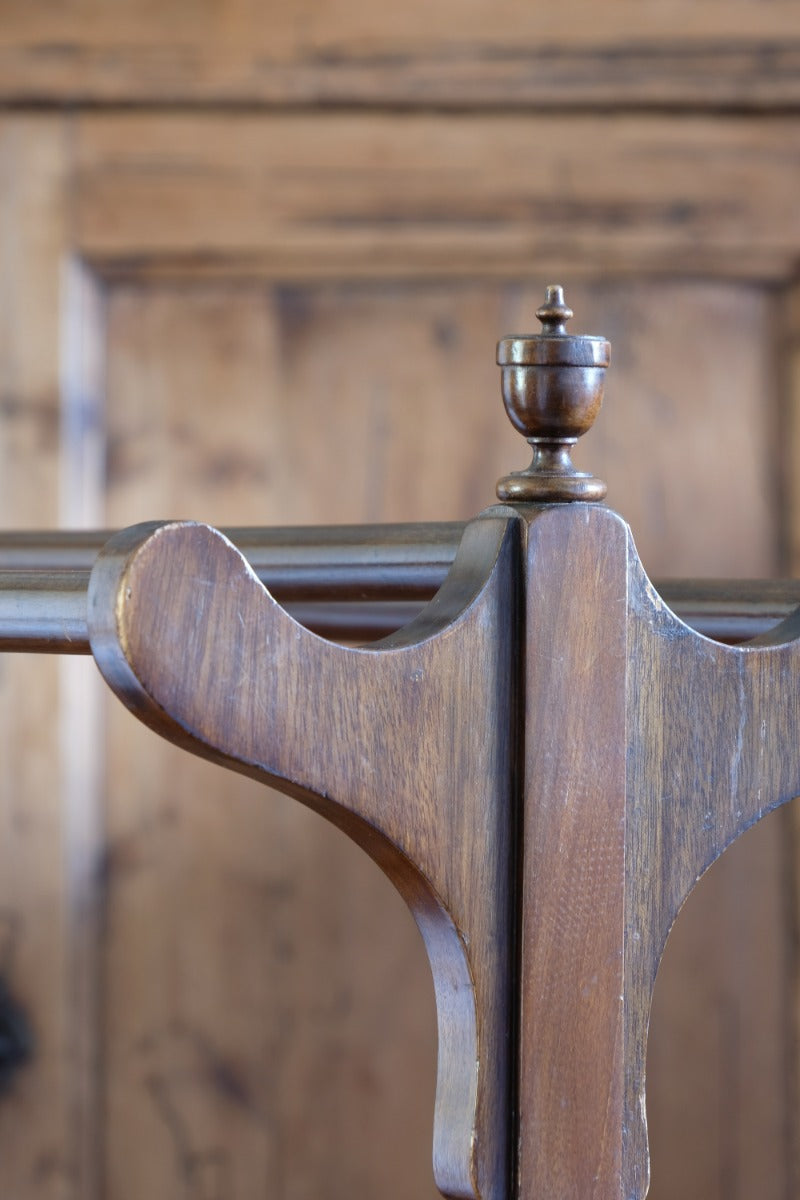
552, 385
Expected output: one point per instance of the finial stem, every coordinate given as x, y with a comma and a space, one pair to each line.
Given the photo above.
554, 313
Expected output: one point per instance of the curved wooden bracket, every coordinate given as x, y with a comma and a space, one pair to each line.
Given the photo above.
544, 763
648, 750
713, 746
409, 747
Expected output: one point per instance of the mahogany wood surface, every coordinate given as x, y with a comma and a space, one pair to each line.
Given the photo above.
713, 747
120, 853
181, 627
644, 750
184, 870
199, 882
351, 583
572, 1064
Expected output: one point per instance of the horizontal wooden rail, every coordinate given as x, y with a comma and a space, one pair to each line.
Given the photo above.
354, 583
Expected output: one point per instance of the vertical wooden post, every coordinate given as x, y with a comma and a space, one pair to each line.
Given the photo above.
573, 854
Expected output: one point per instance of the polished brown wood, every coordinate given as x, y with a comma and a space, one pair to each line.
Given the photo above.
297, 562
185, 870
718, 750
335, 1027
644, 749
585, 974
711, 747
552, 386
572, 1053
352, 582
439, 821
347, 582
158, 874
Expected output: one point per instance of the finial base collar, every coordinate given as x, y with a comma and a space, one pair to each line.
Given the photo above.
542, 489
551, 477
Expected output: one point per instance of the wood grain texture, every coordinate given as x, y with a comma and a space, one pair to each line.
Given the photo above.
678, 54
325, 1079
572, 1065
692, 364
340, 1090
43, 1117
718, 1090
198, 882
180, 627
712, 748
647, 748
299, 196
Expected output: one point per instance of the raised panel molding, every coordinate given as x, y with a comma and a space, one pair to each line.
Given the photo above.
239, 198
382, 195
679, 54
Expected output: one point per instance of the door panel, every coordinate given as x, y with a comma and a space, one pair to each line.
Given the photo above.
40, 882
268, 1020
687, 54
343, 195
281, 317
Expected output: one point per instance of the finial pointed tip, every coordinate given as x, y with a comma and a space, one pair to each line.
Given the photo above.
554, 313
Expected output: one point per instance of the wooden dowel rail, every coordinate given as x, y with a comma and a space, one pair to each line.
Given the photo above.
350, 582
348, 562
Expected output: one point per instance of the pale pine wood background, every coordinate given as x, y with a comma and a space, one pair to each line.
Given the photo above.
253, 263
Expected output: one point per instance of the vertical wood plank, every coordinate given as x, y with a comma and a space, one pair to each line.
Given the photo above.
687, 439
39, 1113
573, 856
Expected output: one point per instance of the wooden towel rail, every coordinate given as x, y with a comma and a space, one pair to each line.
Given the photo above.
355, 583
544, 759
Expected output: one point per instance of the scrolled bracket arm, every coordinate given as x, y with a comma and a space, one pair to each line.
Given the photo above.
407, 746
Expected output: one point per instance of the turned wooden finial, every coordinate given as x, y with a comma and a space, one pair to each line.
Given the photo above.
552, 385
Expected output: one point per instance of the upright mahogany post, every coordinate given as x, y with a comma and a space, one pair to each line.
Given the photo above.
573, 788
544, 763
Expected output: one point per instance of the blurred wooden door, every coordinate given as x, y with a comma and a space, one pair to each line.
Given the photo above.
252, 271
